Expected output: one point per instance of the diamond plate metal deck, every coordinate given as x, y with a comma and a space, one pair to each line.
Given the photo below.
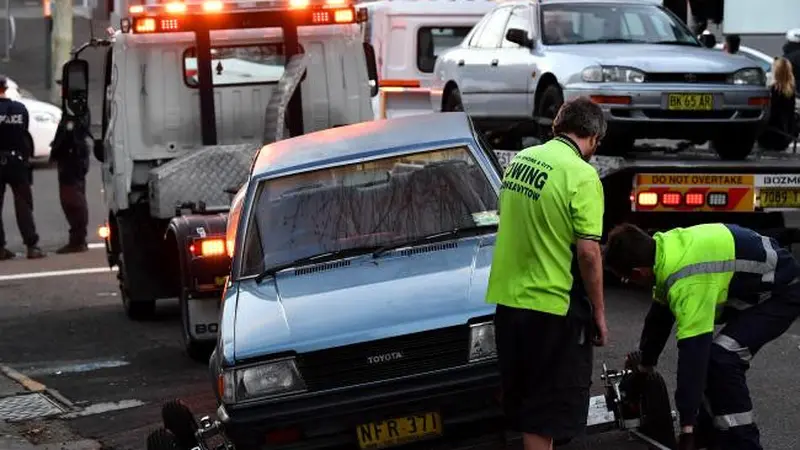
28, 406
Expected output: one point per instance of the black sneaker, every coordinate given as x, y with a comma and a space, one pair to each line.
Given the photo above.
6, 254
35, 252
73, 248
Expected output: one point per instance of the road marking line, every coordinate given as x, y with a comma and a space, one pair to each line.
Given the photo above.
97, 245
100, 408
62, 368
56, 273
27, 382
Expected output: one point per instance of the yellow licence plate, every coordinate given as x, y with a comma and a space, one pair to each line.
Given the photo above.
690, 102
399, 431
780, 198
220, 281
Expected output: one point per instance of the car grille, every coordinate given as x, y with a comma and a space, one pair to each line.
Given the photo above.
349, 365
686, 77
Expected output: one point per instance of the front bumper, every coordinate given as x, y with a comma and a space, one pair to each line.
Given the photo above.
641, 110
467, 398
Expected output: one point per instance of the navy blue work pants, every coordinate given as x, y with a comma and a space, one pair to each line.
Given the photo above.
728, 407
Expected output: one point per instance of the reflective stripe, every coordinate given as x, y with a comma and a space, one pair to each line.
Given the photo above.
771, 262
732, 345
733, 420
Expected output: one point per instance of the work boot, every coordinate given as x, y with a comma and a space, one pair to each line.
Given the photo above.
35, 252
73, 248
6, 254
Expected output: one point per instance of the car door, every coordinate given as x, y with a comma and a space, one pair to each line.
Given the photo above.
478, 79
514, 68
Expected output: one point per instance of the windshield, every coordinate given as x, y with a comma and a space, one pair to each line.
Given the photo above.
372, 204
593, 23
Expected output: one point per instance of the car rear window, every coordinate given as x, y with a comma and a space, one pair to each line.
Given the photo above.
365, 204
238, 65
432, 41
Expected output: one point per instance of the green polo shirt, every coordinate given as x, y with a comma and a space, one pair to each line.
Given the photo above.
550, 198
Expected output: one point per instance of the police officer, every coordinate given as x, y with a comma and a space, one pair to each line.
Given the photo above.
70, 151
791, 51
16, 148
546, 262
695, 273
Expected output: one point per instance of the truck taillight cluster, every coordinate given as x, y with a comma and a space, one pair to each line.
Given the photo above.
213, 247
676, 199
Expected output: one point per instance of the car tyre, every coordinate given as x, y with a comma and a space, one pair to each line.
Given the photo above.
547, 107
162, 439
199, 351
657, 422
734, 147
180, 421
452, 101
135, 310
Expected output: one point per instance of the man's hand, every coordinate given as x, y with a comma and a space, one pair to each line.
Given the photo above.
686, 441
602, 329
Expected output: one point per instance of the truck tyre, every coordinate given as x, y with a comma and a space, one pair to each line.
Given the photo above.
734, 147
136, 310
199, 351
162, 439
547, 107
452, 101
657, 422
180, 421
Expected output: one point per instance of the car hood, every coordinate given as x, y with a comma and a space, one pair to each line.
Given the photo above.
365, 300
660, 58
38, 106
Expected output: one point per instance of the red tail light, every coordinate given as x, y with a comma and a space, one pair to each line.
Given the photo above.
671, 198
695, 199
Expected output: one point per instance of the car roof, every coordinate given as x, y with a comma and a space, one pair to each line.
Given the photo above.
365, 140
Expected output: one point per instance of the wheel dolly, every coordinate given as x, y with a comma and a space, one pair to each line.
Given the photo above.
633, 401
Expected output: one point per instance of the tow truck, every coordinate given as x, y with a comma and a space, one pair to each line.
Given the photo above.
407, 36
192, 92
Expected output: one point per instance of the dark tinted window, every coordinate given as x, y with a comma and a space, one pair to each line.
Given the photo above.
432, 41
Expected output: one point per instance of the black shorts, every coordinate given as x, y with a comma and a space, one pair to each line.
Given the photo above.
546, 371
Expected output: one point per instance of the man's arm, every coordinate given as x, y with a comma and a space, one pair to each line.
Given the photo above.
655, 333
586, 210
694, 306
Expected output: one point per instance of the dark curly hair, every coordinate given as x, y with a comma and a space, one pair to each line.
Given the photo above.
629, 247
581, 117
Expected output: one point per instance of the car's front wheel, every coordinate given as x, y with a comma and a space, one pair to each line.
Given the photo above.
734, 146
547, 107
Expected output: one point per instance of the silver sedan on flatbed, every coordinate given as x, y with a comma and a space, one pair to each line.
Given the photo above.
652, 77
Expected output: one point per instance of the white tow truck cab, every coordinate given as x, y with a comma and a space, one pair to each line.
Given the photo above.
192, 92
407, 36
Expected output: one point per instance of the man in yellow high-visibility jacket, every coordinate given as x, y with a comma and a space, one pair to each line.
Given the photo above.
702, 276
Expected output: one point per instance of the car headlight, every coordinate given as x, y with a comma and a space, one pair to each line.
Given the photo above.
263, 380
43, 117
481, 342
612, 74
750, 77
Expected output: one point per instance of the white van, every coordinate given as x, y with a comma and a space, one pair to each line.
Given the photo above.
407, 36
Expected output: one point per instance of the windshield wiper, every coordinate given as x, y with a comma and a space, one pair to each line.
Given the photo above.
443, 235
611, 41
327, 256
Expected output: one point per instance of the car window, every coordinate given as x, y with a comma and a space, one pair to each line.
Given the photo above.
236, 65
373, 203
432, 41
567, 23
473, 40
492, 34
520, 18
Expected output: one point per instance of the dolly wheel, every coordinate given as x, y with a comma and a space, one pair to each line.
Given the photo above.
657, 422
162, 439
180, 421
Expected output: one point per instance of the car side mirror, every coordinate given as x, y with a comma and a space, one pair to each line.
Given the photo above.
707, 39
372, 69
75, 87
99, 150
519, 37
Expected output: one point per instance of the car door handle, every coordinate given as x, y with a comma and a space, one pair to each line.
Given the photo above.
495, 62
460, 62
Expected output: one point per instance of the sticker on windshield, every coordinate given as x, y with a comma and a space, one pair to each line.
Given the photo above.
486, 218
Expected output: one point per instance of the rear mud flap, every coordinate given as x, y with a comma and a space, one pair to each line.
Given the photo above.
203, 318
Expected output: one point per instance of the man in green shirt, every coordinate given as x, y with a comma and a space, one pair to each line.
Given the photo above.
551, 221
701, 276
